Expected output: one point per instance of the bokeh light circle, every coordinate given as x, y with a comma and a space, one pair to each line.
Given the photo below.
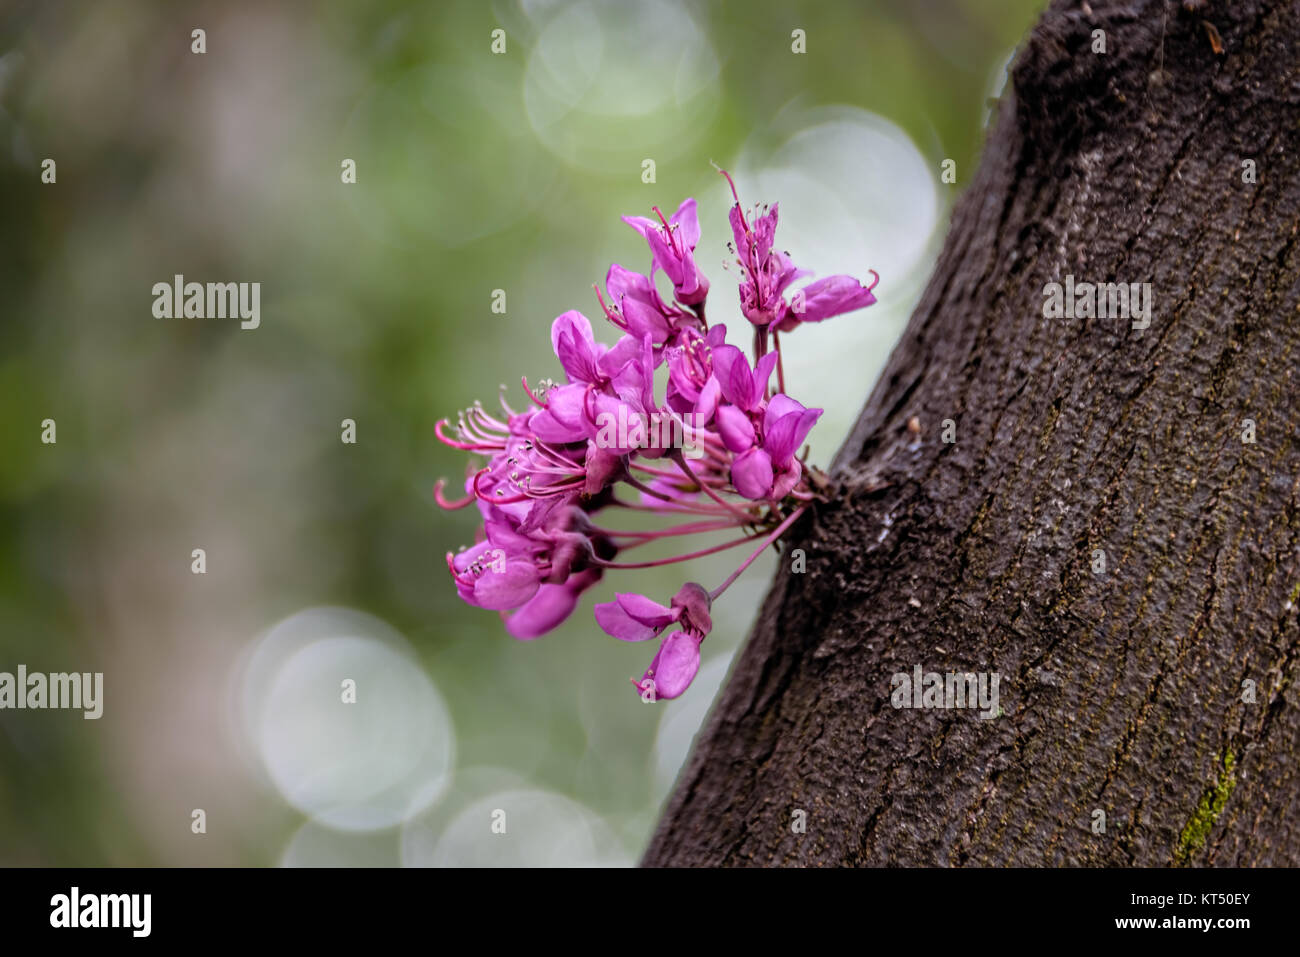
535, 828
354, 765
609, 83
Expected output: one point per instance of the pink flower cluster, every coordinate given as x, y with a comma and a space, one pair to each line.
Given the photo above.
729, 460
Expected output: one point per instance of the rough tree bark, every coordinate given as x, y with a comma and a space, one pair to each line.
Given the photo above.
1122, 691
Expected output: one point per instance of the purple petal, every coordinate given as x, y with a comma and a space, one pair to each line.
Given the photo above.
635, 382
786, 272
550, 429
638, 300
787, 480
563, 419
694, 287
765, 233
751, 473
627, 349
786, 434
543, 612
762, 372
509, 588
461, 561
731, 369
576, 326
675, 665
707, 403
501, 534
566, 405
641, 224
644, 319
681, 384
687, 222
540, 515
829, 297
780, 406
680, 400
644, 610
665, 256
620, 282
738, 231
631, 617
735, 429
578, 358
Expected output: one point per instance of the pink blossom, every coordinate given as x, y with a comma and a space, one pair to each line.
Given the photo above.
552, 478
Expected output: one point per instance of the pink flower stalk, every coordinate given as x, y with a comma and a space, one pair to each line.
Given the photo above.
717, 453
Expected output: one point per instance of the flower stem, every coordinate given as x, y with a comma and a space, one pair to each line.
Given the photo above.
681, 463
683, 507
780, 366
776, 533
690, 528
683, 558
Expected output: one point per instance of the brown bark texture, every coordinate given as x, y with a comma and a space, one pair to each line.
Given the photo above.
1160, 691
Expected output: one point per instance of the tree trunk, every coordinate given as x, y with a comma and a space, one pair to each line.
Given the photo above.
1124, 689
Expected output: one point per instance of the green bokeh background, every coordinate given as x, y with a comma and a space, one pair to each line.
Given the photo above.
475, 172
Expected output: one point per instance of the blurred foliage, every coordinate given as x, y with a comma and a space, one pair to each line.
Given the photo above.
475, 172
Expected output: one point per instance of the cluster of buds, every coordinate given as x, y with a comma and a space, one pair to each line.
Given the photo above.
718, 452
